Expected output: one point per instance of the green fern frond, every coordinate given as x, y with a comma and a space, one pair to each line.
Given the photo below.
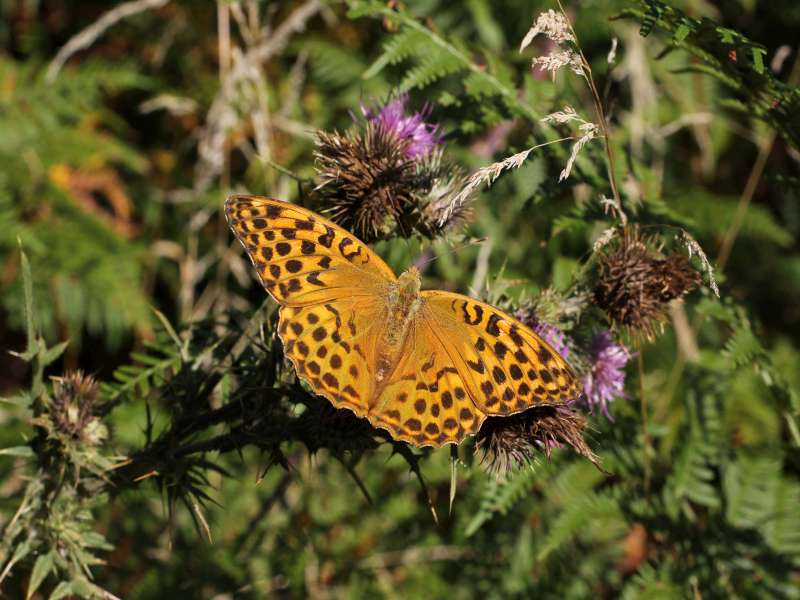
595, 517
149, 370
730, 57
399, 47
500, 495
434, 56
430, 68
743, 347
332, 64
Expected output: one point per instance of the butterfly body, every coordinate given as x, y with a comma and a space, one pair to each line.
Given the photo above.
426, 365
403, 307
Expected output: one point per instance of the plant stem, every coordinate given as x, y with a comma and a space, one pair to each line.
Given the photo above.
602, 121
646, 441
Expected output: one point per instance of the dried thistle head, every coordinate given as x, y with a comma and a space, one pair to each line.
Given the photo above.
505, 443
72, 408
73, 433
366, 178
636, 282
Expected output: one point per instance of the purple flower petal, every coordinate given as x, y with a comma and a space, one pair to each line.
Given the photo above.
606, 380
422, 137
553, 336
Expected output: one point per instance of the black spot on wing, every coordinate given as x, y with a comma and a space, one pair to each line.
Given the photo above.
326, 239
313, 277
491, 325
468, 318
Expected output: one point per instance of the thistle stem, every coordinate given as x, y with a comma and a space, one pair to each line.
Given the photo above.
646, 441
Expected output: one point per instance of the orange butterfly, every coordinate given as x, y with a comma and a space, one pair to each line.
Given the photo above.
427, 366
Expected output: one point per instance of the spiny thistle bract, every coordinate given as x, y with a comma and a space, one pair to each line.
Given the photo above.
636, 282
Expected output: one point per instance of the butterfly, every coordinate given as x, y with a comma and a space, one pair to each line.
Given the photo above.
427, 366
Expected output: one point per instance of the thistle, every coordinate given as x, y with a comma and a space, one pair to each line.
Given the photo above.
605, 380
72, 408
439, 183
421, 137
73, 433
505, 443
636, 283
387, 176
366, 178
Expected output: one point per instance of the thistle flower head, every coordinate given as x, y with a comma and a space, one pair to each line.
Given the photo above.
439, 184
366, 178
605, 380
387, 176
505, 443
635, 283
549, 333
73, 403
421, 137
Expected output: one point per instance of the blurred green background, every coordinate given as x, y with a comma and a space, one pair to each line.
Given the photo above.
113, 170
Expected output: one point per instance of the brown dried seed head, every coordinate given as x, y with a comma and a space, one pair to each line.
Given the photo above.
635, 284
366, 178
73, 403
509, 442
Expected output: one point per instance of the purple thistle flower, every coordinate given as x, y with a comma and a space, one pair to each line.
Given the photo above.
549, 333
553, 336
606, 379
422, 137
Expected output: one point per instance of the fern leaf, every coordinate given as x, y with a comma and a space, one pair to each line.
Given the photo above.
499, 496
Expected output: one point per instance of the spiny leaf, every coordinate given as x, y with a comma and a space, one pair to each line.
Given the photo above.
41, 569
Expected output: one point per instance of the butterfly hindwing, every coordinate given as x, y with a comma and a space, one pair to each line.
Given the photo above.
507, 367
332, 347
425, 401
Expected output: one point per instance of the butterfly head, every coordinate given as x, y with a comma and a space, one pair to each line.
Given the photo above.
409, 284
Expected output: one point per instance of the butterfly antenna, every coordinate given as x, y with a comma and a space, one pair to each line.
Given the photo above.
453, 250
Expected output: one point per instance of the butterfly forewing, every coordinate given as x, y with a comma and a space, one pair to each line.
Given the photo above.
332, 289
302, 258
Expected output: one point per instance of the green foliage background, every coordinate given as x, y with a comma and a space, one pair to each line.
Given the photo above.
112, 181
